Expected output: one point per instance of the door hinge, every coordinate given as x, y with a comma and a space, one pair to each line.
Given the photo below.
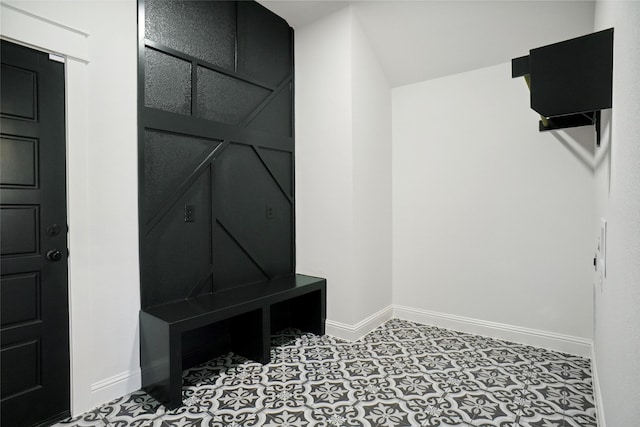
56, 58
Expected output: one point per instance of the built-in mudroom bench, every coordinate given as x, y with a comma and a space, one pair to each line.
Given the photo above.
216, 188
240, 320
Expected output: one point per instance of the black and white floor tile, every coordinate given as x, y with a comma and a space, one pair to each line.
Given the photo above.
401, 374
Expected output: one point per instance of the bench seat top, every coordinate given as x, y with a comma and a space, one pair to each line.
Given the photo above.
238, 300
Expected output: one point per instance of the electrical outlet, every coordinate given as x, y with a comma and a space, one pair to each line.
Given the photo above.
600, 260
189, 213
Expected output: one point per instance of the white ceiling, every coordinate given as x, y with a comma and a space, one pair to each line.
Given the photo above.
422, 40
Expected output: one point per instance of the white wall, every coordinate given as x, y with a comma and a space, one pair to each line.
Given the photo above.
617, 188
102, 187
113, 198
343, 222
492, 220
371, 115
324, 208
509, 225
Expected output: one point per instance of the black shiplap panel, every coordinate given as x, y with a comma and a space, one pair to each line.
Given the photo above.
204, 29
230, 51
244, 190
224, 99
228, 252
205, 288
280, 164
169, 160
167, 82
264, 43
177, 253
276, 118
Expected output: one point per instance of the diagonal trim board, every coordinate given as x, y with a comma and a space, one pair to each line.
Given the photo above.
174, 196
204, 278
234, 236
265, 102
550, 340
271, 174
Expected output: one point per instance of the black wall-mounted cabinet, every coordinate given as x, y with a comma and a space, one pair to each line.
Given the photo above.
216, 147
570, 81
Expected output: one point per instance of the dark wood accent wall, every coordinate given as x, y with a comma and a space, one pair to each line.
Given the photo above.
215, 147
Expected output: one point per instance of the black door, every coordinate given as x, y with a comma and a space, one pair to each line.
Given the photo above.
34, 334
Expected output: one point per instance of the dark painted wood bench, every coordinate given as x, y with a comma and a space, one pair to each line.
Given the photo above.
246, 316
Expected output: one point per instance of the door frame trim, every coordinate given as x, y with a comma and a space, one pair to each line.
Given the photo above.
23, 27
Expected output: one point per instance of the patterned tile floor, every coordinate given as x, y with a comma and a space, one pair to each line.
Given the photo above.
401, 374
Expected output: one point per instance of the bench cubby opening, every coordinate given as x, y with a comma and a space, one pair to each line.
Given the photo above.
182, 334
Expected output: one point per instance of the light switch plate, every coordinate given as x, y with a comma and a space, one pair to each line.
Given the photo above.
602, 250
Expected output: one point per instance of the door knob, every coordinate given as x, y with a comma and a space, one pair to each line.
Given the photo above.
54, 255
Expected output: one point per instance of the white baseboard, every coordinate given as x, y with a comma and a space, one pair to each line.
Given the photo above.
116, 386
360, 329
126, 382
551, 340
596, 391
